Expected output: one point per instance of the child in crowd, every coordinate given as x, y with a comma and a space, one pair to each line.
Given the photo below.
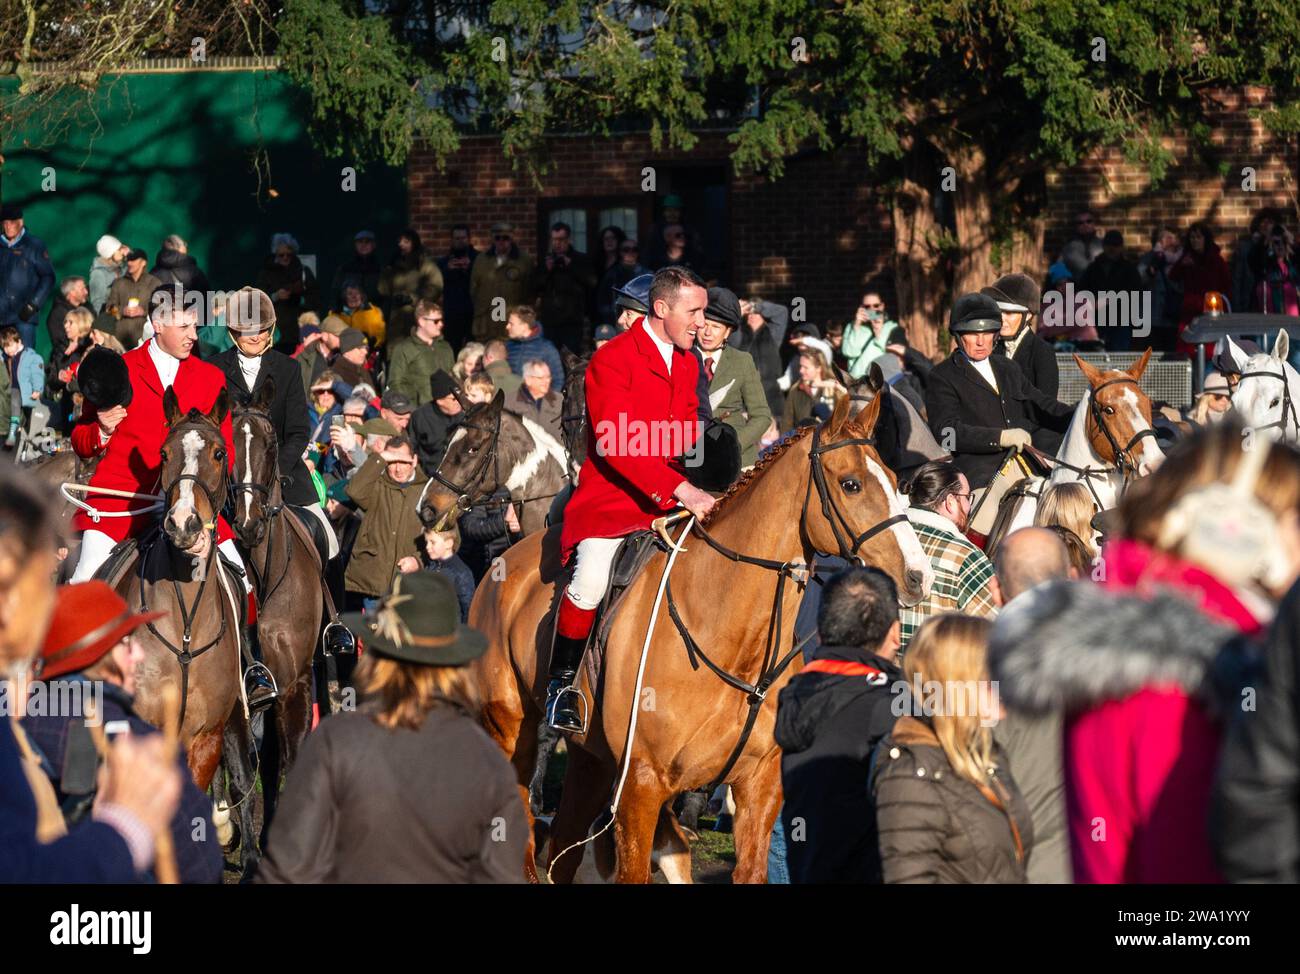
26, 372
440, 547
479, 387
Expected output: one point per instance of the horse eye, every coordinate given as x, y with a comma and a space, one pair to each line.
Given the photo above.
1110, 410
1274, 403
221, 453
471, 450
162, 455
850, 485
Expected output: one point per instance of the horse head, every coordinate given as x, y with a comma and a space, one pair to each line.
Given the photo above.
1265, 396
257, 467
1119, 426
193, 469
468, 472
854, 507
573, 415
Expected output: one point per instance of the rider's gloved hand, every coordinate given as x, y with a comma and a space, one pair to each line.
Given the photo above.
1016, 439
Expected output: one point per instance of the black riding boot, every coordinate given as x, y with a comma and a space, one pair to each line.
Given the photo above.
563, 704
259, 685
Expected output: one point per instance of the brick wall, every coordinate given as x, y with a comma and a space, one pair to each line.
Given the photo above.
820, 232
1120, 193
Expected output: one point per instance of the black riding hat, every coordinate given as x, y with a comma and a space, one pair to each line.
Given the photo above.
1015, 292
974, 313
714, 464
104, 379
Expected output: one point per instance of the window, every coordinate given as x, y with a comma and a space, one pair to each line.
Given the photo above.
588, 217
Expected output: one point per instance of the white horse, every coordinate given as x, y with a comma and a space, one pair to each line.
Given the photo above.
1120, 415
1268, 396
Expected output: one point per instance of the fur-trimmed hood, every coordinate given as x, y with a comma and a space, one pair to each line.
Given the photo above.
1071, 645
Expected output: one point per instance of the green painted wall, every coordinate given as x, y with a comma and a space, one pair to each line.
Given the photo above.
173, 153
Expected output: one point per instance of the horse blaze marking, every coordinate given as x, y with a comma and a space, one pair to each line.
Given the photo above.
248, 472
192, 443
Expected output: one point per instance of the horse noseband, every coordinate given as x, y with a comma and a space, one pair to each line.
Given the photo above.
1288, 405
830, 510
1125, 463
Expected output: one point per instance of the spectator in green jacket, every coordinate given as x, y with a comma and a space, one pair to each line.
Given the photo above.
866, 335
422, 354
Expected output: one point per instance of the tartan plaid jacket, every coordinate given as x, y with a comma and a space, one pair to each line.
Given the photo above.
962, 574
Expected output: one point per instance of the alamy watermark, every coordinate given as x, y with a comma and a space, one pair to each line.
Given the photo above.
666, 438
1072, 308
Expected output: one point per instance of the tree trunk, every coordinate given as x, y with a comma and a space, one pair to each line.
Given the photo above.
920, 277
973, 212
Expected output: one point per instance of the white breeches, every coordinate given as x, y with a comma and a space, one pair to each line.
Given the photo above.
593, 560
96, 547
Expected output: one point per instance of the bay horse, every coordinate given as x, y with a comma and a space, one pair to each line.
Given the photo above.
1266, 397
195, 646
494, 448
286, 573
1109, 442
573, 414
737, 588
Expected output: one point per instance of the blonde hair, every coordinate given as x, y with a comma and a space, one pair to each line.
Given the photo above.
471, 350
400, 694
82, 319
482, 382
1069, 506
1209, 456
951, 651
110, 341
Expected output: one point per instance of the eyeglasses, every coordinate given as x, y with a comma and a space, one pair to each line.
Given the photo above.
436, 321
968, 496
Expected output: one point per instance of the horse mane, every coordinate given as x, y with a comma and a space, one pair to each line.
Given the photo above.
750, 475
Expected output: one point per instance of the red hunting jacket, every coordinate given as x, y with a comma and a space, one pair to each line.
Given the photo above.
638, 419
131, 458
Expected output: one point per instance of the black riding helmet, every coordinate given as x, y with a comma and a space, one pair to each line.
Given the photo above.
974, 313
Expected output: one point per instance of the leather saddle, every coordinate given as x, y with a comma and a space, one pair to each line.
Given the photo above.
314, 530
629, 561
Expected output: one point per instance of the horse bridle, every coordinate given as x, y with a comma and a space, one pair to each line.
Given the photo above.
223, 486
830, 510
1125, 463
1288, 414
268, 514
464, 493
571, 439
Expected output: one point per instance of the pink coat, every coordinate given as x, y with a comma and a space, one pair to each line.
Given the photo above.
1127, 663
1139, 769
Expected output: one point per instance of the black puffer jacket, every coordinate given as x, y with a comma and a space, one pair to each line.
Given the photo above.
827, 724
1255, 816
936, 826
173, 267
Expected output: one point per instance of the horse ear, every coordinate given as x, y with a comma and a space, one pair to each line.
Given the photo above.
875, 378
1090, 372
1137, 368
265, 395
838, 415
498, 401
1282, 347
217, 414
569, 360
869, 415
171, 407
1236, 353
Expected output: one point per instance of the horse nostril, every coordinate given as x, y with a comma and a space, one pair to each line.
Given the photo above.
915, 579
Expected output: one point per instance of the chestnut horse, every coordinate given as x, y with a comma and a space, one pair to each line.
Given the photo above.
736, 586
195, 646
287, 577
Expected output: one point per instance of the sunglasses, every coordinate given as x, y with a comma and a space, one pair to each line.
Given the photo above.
436, 321
874, 307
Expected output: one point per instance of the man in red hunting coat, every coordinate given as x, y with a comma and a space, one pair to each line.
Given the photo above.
642, 411
129, 440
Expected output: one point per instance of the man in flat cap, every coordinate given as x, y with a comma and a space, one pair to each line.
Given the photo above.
735, 390
500, 279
